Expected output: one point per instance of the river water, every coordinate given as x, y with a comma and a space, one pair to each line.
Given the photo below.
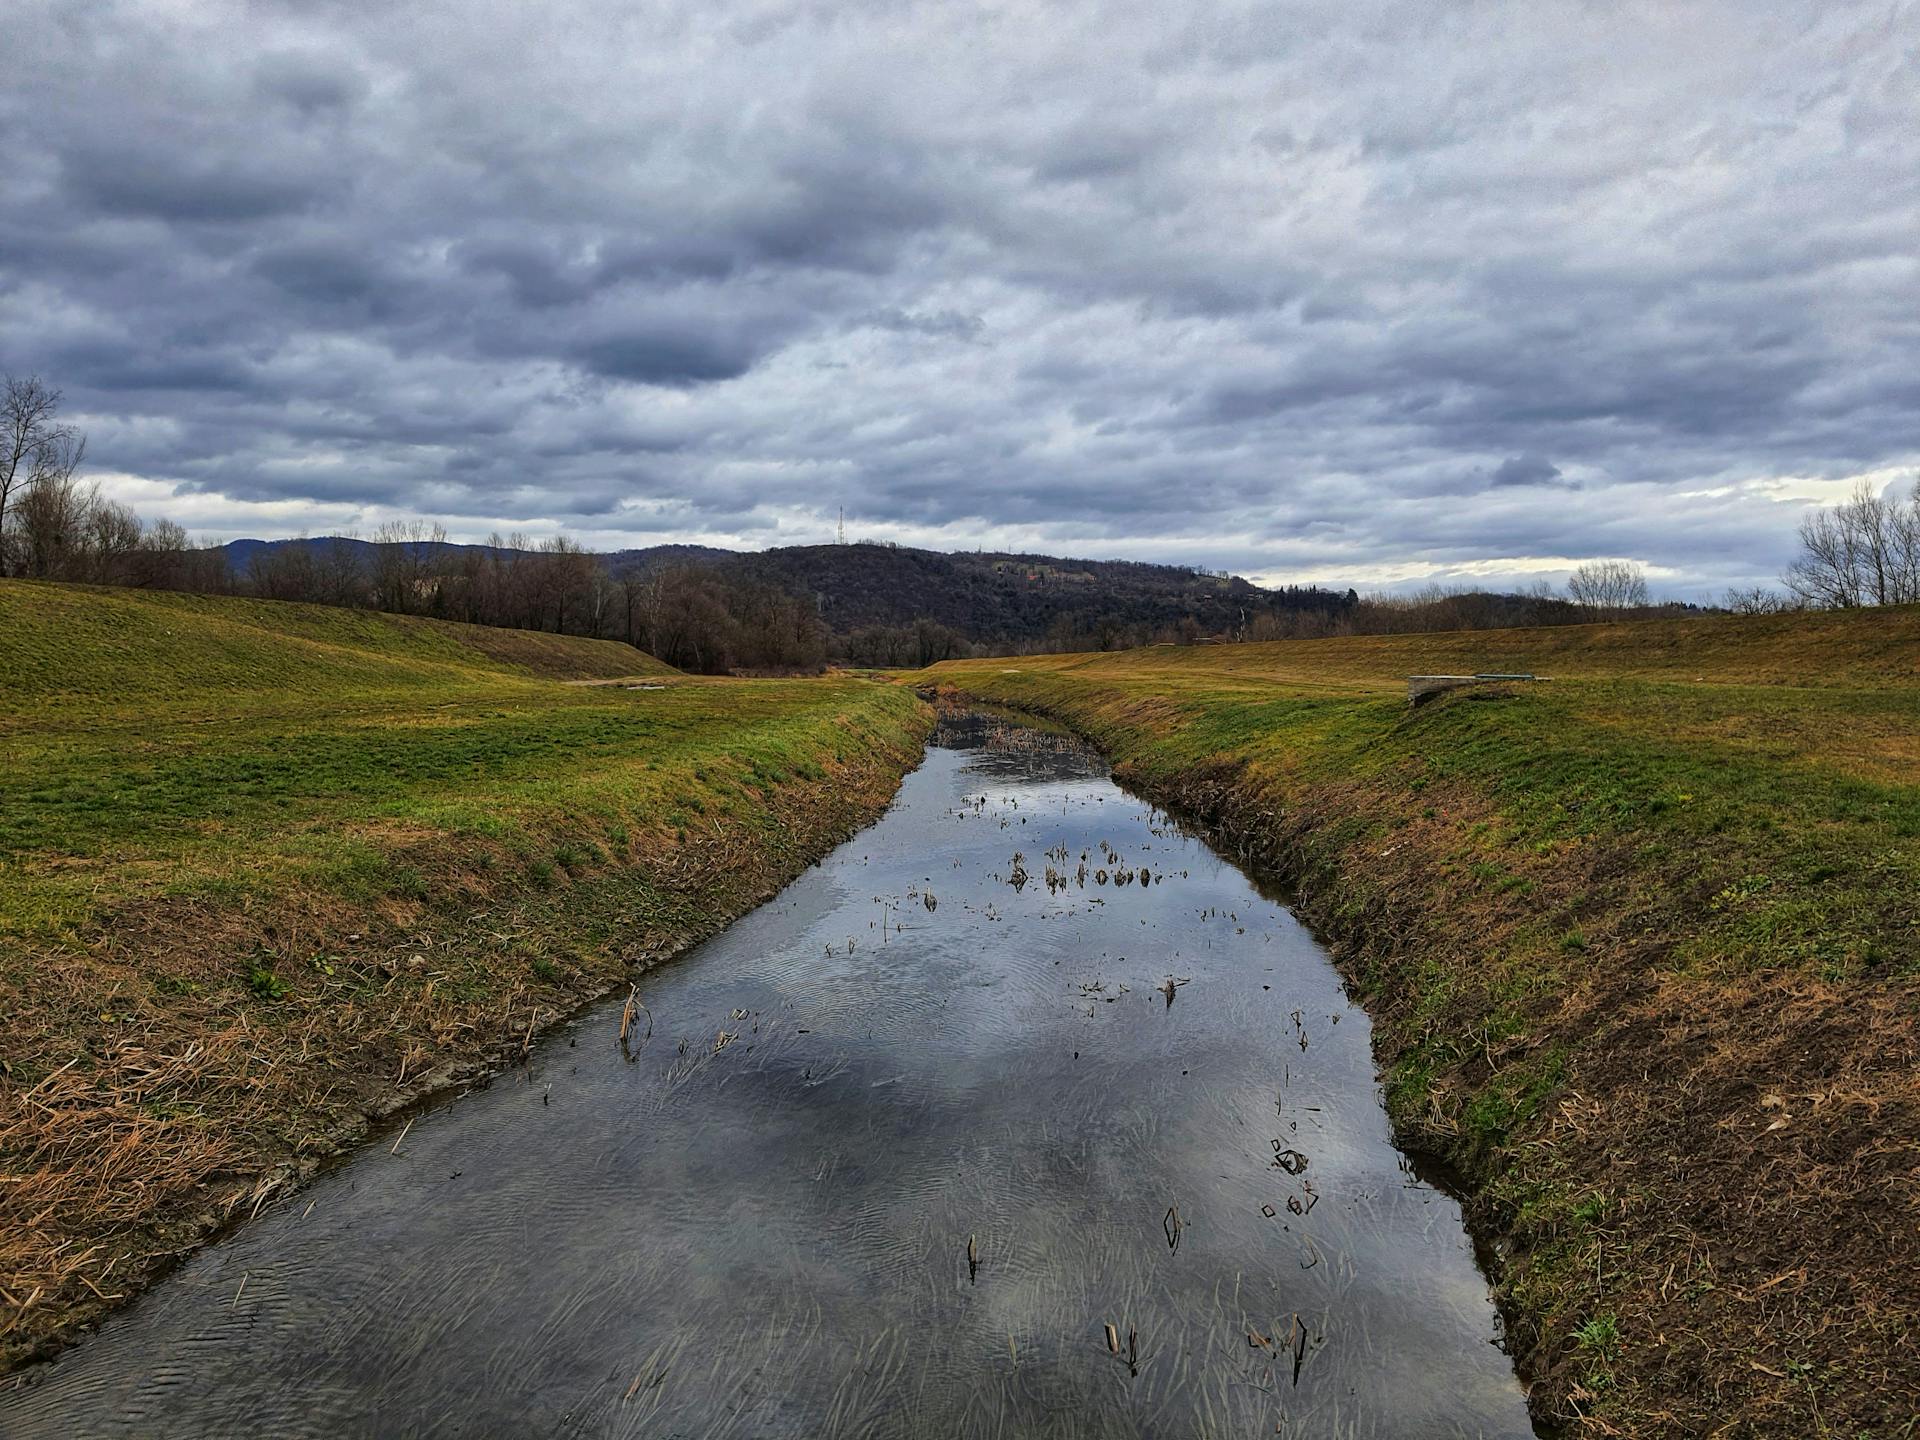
886, 1158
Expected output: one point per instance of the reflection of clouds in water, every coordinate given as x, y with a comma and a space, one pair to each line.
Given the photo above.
771, 1238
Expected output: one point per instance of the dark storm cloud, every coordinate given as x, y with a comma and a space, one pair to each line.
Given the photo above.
1372, 293
115, 367
1529, 470
537, 274
663, 357
151, 184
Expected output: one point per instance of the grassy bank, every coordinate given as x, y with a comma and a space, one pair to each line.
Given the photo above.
267, 871
1643, 945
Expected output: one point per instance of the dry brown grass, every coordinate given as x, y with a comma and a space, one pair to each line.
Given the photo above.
269, 871
1643, 951
172, 1102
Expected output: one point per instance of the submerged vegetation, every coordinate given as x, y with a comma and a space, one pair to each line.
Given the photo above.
1643, 943
269, 869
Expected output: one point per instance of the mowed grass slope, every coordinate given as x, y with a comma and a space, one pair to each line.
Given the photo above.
265, 868
116, 649
1644, 948
169, 744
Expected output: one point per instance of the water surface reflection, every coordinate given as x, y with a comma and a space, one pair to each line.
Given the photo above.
1018, 1064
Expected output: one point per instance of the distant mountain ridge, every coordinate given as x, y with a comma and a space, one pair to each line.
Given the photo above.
239, 553
991, 597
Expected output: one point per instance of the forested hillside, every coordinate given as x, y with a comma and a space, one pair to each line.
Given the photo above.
999, 600
876, 604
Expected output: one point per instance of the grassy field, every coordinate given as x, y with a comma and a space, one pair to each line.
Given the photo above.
1643, 945
268, 869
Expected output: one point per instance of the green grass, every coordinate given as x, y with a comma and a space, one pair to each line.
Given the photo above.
264, 868
121, 651
187, 747
1795, 805
1647, 934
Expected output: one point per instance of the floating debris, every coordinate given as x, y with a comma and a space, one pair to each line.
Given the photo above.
635, 1006
1291, 1161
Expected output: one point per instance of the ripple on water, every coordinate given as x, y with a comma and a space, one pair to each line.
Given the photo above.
770, 1236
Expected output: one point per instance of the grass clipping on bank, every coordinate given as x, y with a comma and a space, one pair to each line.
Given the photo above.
1643, 946
268, 871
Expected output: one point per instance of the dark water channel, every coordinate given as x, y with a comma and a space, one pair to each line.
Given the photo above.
768, 1234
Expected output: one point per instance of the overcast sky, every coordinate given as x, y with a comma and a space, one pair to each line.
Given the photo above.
1355, 293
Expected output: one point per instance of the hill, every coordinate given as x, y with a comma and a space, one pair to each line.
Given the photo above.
239, 555
999, 599
112, 648
1642, 947
996, 599
267, 870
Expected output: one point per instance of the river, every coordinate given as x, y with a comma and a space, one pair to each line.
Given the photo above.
1021, 1062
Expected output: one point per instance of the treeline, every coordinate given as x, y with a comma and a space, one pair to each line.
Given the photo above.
689, 615
55, 526
799, 608
901, 647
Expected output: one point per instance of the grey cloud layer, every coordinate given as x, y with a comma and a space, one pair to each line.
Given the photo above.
1328, 289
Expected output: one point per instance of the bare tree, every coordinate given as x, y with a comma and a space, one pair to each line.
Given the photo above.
34, 447
1608, 586
934, 642
53, 521
1863, 551
111, 542
604, 598
505, 582
339, 575
403, 565
163, 548
633, 589
284, 572
1758, 600
562, 577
